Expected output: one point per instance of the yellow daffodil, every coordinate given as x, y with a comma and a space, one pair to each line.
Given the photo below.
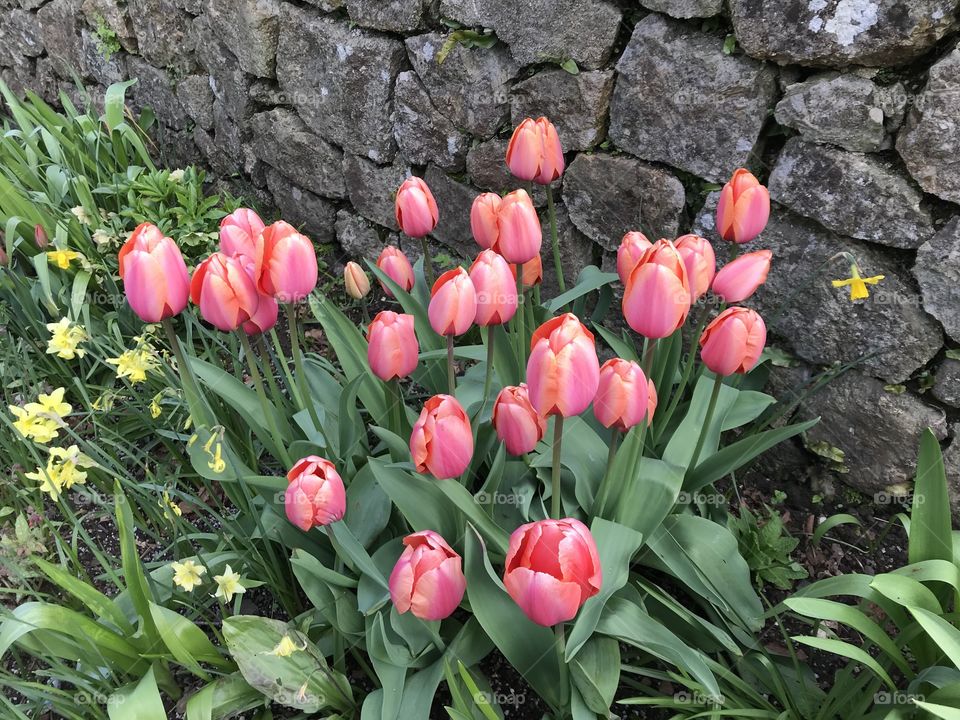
187, 574
65, 337
857, 284
155, 409
135, 364
33, 426
228, 585
286, 647
49, 480
169, 506
51, 404
63, 258
63, 470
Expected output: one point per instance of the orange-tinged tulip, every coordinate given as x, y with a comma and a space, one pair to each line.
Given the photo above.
355, 281
496, 289
392, 347
518, 425
395, 264
520, 235
315, 495
532, 272
739, 279
732, 343
417, 212
657, 297
535, 153
744, 208
239, 232
428, 578
453, 303
552, 568
286, 263
700, 261
563, 371
224, 288
632, 248
484, 220
442, 442
625, 396
155, 278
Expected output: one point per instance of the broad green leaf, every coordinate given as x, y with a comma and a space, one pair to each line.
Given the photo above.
591, 278
906, 591
838, 647
113, 103
224, 697
596, 673
930, 536
188, 644
139, 700
945, 635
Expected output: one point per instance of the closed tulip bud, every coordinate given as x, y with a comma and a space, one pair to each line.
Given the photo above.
417, 212
155, 278
484, 220
656, 301
625, 396
224, 288
563, 371
733, 342
40, 237
518, 425
428, 578
744, 208
453, 303
700, 261
286, 263
355, 281
496, 289
396, 266
535, 153
264, 318
552, 568
315, 495
739, 279
392, 347
520, 234
632, 248
442, 442
239, 232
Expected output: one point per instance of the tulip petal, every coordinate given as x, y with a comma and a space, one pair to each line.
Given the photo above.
543, 598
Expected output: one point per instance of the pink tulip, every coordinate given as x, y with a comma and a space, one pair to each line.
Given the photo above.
733, 342
155, 278
632, 248
563, 371
552, 568
396, 266
700, 261
355, 281
657, 297
392, 347
518, 425
224, 288
625, 396
520, 235
453, 303
484, 220
744, 208
315, 495
239, 232
442, 442
42, 241
286, 263
428, 578
417, 212
535, 153
496, 289
739, 279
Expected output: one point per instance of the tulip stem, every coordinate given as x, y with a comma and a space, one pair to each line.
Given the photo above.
306, 402
562, 661
554, 238
555, 505
427, 262
190, 387
690, 361
433, 627
519, 323
604, 490
711, 407
365, 310
451, 369
268, 411
488, 375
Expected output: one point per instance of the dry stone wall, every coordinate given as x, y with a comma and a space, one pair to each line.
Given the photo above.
849, 109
